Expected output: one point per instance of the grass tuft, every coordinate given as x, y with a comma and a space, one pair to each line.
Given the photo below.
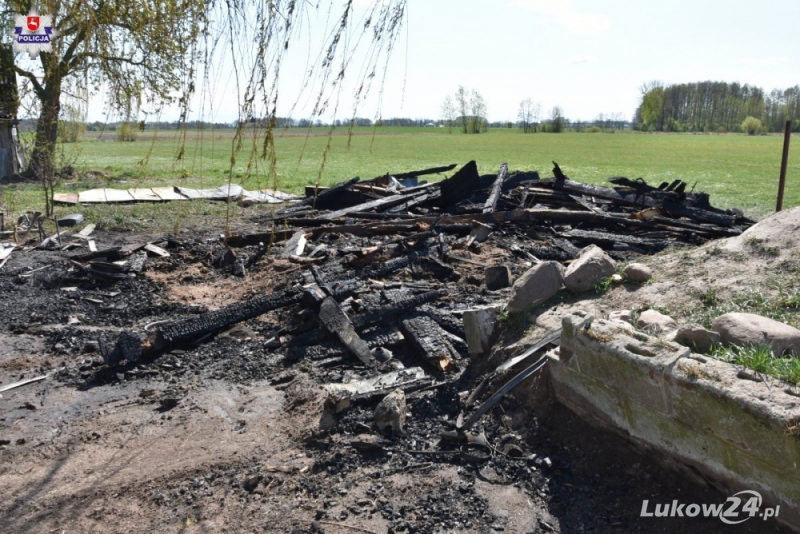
514, 322
604, 284
761, 359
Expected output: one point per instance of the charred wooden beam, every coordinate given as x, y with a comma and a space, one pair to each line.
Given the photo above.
491, 202
337, 323
569, 249
385, 202
322, 349
429, 341
388, 267
187, 330
396, 309
424, 172
128, 347
605, 237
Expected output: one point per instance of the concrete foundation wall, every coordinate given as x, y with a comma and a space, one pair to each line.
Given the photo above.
704, 417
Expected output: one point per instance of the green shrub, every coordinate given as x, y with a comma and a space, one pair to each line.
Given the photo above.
127, 132
751, 125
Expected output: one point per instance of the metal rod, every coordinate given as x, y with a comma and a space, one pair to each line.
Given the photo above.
787, 135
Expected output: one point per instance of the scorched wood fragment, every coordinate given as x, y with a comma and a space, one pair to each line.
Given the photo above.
337, 323
128, 347
396, 309
388, 267
491, 202
461, 185
381, 202
429, 341
187, 330
321, 349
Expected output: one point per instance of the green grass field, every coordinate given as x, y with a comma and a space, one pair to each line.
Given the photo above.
736, 170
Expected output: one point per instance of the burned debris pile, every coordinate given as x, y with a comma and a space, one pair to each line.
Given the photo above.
393, 277
371, 312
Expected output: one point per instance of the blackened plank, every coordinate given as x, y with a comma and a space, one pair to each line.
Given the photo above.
337, 323
491, 202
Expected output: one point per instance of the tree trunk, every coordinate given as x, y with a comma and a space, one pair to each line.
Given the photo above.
9, 151
42, 162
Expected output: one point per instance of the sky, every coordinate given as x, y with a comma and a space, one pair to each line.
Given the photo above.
588, 57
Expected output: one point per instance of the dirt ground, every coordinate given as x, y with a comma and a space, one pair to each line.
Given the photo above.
230, 436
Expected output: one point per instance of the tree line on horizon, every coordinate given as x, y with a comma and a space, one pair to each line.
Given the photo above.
716, 107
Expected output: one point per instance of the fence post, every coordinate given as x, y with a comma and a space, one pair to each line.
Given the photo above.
787, 135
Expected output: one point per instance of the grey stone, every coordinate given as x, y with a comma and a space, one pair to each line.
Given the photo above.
622, 316
497, 277
390, 415
696, 337
538, 284
591, 266
638, 272
656, 322
743, 329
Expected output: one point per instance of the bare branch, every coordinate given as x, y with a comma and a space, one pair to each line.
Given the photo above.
37, 87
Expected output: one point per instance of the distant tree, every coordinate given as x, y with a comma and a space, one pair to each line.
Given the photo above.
478, 120
449, 113
471, 109
652, 107
529, 115
557, 120
751, 125
462, 106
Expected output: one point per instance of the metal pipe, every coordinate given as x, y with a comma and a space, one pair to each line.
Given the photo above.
787, 135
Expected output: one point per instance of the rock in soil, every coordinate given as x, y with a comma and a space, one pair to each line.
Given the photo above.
743, 329
638, 272
538, 284
696, 338
591, 266
390, 415
656, 322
